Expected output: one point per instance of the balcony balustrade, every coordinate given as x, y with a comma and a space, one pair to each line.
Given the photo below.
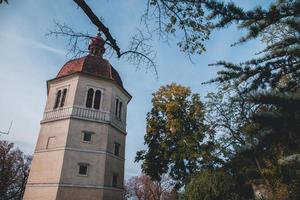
83, 113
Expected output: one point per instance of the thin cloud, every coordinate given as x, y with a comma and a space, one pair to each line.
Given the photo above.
32, 43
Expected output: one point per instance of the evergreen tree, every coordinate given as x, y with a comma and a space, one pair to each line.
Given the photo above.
215, 185
269, 83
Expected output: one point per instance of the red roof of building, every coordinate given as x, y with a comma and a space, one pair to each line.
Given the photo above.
92, 65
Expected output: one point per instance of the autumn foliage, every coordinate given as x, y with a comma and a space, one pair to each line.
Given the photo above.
143, 188
14, 170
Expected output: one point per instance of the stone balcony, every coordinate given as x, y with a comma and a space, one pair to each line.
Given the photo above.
85, 114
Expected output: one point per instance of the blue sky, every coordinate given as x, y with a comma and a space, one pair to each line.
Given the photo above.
28, 58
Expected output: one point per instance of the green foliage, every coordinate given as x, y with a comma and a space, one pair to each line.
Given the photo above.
175, 131
212, 185
254, 117
280, 141
277, 66
275, 126
254, 132
278, 26
281, 121
180, 16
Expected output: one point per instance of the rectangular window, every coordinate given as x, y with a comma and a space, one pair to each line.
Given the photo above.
57, 99
87, 136
120, 111
117, 108
60, 98
115, 180
117, 149
50, 142
64, 94
83, 169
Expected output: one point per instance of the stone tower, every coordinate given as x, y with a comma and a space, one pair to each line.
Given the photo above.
79, 154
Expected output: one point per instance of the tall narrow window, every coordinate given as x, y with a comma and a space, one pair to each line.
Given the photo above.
57, 100
117, 149
89, 98
120, 110
115, 180
97, 99
63, 99
117, 105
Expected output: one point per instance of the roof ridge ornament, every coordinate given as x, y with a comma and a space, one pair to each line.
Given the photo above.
96, 46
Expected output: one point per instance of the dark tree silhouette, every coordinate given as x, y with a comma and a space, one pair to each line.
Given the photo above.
14, 170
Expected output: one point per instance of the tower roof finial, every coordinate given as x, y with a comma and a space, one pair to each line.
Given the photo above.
96, 46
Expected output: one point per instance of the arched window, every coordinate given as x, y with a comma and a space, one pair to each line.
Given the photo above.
63, 99
120, 110
89, 98
97, 99
116, 109
57, 100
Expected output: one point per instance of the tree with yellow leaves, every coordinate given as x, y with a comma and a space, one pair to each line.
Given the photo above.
174, 135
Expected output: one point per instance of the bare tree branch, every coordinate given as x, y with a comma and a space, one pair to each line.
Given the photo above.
101, 27
139, 53
74, 39
181, 22
183, 17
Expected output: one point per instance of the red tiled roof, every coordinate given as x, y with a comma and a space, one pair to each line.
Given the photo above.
92, 65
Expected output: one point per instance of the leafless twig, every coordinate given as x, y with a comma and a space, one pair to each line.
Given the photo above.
182, 18
140, 53
75, 40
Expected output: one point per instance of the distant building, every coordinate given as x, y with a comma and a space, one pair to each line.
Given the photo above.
80, 150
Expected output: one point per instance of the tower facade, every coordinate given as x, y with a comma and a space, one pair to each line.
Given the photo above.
81, 145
